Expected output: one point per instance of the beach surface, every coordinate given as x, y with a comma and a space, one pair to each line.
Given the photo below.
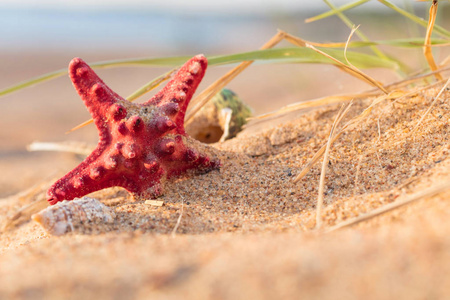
246, 231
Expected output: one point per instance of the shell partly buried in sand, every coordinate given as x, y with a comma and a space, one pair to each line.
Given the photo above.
80, 215
222, 118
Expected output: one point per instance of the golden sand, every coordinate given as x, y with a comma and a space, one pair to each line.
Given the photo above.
248, 232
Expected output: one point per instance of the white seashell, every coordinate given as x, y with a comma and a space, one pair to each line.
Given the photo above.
77, 215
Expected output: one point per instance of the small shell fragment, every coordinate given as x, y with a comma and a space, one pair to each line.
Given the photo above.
154, 202
80, 215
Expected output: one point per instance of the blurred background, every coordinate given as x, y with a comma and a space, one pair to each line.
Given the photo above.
37, 37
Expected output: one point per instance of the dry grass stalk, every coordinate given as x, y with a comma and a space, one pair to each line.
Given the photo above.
427, 47
415, 78
445, 61
358, 169
219, 84
431, 105
85, 123
350, 69
214, 88
68, 146
348, 126
312, 103
28, 193
432, 191
174, 231
416, 91
25, 213
342, 112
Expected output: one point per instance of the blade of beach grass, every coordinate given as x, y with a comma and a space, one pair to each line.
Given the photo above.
372, 81
349, 69
280, 55
429, 192
312, 103
438, 29
33, 81
401, 43
359, 33
341, 98
342, 112
415, 78
337, 10
67, 146
305, 55
199, 101
302, 54
165, 61
427, 49
297, 55
412, 43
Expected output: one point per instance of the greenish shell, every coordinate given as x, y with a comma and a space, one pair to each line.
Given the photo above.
224, 112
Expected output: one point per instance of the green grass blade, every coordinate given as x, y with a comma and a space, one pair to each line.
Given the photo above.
165, 61
32, 81
286, 55
358, 32
337, 10
150, 85
305, 55
401, 71
154, 62
438, 29
412, 42
401, 43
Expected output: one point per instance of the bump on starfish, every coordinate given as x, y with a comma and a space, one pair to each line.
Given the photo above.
140, 145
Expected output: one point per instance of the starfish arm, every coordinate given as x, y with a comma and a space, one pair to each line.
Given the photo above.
101, 170
77, 182
176, 95
96, 95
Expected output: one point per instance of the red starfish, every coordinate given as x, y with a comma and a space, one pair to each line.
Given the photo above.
141, 145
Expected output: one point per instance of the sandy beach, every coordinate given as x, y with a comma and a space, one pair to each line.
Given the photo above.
246, 231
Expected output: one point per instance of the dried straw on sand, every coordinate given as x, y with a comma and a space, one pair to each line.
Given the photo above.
249, 232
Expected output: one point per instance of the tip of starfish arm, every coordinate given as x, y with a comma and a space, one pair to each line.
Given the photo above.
200, 56
75, 62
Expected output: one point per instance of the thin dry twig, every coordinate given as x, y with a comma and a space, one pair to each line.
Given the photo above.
358, 169
414, 78
313, 103
174, 231
342, 112
431, 105
67, 146
427, 45
24, 214
432, 191
416, 91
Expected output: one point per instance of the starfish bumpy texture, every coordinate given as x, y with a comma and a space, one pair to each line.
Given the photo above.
140, 145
